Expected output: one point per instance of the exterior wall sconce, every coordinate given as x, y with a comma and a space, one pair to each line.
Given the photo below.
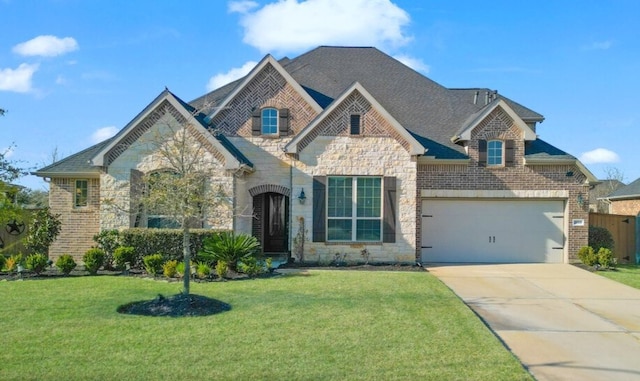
580, 200
302, 197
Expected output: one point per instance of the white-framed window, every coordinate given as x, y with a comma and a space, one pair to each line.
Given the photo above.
269, 118
81, 194
495, 153
354, 209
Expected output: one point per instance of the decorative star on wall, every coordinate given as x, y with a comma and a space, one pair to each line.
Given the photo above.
15, 228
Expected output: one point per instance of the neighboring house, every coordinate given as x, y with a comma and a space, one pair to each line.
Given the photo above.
598, 193
625, 200
385, 158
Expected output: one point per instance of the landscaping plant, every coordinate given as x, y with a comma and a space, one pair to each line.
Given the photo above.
230, 248
43, 229
108, 241
3, 261
606, 258
221, 269
202, 270
13, 261
93, 260
153, 263
600, 237
169, 268
65, 264
122, 255
587, 255
36, 263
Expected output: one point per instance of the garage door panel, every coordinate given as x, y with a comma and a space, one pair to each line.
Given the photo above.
492, 231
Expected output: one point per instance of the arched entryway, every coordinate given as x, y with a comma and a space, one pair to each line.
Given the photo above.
271, 222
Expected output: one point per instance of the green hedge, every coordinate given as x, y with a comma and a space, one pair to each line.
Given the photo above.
168, 242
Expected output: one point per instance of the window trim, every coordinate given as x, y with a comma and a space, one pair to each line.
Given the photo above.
354, 218
491, 151
276, 131
77, 197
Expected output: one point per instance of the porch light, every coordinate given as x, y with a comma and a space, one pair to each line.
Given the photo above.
302, 198
580, 200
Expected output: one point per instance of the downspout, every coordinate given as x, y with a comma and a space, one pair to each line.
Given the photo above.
637, 238
290, 224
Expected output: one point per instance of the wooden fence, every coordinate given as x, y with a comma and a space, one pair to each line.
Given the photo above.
623, 229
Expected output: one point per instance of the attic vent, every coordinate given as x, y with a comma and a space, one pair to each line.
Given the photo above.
355, 124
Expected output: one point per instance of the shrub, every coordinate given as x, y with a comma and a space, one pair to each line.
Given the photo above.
122, 255
108, 241
202, 270
65, 264
3, 261
229, 248
43, 229
13, 261
600, 237
180, 269
169, 268
36, 263
606, 258
221, 269
165, 241
251, 266
93, 260
153, 263
587, 256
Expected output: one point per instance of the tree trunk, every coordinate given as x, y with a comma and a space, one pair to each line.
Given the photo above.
186, 252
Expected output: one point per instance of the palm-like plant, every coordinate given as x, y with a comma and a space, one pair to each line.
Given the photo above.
229, 248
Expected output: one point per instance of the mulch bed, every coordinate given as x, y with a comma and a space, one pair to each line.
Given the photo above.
176, 306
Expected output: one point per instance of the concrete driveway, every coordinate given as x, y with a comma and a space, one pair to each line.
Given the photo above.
562, 322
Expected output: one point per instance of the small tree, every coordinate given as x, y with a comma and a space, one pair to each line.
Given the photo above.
9, 171
43, 229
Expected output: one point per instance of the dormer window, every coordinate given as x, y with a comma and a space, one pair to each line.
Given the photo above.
269, 118
495, 153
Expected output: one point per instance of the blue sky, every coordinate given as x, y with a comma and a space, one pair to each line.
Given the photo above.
73, 72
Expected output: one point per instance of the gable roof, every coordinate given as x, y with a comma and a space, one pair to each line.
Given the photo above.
475, 119
267, 60
626, 192
233, 157
415, 148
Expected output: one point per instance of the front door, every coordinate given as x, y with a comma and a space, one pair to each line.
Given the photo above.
275, 223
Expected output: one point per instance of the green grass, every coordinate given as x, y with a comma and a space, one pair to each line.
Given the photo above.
625, 274
329, 325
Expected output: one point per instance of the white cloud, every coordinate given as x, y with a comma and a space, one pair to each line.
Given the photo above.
241, 6
46, 46
296, 25
599, 156
61, 80
17, 80
414, 63
103, 133
222, 79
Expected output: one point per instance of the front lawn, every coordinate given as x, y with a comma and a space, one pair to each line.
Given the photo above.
328, 325
626, 274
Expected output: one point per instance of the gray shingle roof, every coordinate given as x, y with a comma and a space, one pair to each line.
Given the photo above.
78, 163
628, 191
431, 112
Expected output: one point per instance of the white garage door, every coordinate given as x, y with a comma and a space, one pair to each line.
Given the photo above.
492, 231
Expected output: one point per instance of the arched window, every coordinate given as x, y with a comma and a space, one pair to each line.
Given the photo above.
269, 118
495, 153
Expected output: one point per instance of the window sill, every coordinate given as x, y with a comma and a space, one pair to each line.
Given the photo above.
354, 243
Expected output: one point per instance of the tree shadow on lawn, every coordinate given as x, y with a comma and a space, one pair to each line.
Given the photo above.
176, 306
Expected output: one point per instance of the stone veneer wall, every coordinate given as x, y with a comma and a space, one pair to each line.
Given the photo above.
546, 179
352, 156
141, 155
626, 207
78, 224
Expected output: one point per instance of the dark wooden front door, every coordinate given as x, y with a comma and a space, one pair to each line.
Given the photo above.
275, 223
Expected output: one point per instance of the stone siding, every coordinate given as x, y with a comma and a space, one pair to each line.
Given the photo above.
79, 225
